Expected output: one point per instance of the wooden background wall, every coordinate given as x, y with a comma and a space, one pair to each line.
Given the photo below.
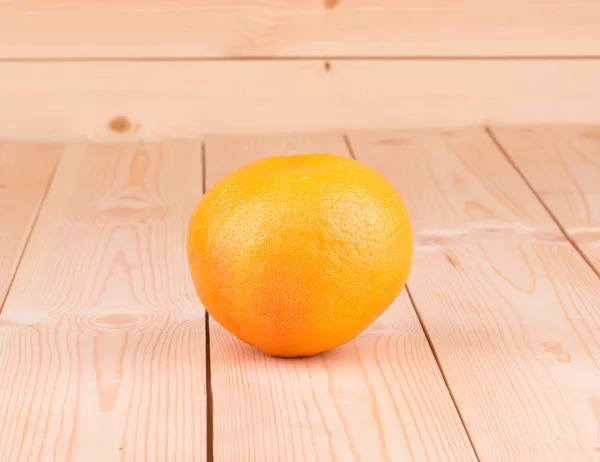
133, 69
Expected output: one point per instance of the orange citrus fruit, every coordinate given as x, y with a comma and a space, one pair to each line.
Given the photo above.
296, 255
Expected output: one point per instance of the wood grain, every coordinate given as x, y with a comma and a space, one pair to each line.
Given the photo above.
510, 306
293, 28
102, 336
380, 397
132, 101
562, 165
25, 172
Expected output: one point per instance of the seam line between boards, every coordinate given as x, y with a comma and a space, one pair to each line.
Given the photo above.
443, 373
274, 59
34, 222
549, 211
208, 369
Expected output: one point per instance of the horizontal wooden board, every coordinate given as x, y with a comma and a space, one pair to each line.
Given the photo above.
102, 336
562, 164
292, 28
510, 306
121, 101
379, 397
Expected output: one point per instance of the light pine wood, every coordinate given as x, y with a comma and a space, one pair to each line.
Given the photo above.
292, 28
510, 306
380, 397
132, 101
562, 164
25, 172
102, 335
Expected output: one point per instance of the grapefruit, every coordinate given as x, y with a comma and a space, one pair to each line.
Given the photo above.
297, 255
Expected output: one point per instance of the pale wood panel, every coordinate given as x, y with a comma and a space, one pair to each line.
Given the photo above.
380, 397
562, 165
102, 335
291, 28
510, 306
82, 99
25, 172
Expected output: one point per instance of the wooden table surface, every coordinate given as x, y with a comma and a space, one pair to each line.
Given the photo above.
492, 353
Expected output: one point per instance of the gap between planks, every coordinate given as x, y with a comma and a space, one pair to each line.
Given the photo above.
209, 395
504, 150
325, 59
4, 297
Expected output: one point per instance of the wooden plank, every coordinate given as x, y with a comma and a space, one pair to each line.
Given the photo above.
510, 306
284, 28
25, 172
380, 397
123, 101
102, 336
562, 165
